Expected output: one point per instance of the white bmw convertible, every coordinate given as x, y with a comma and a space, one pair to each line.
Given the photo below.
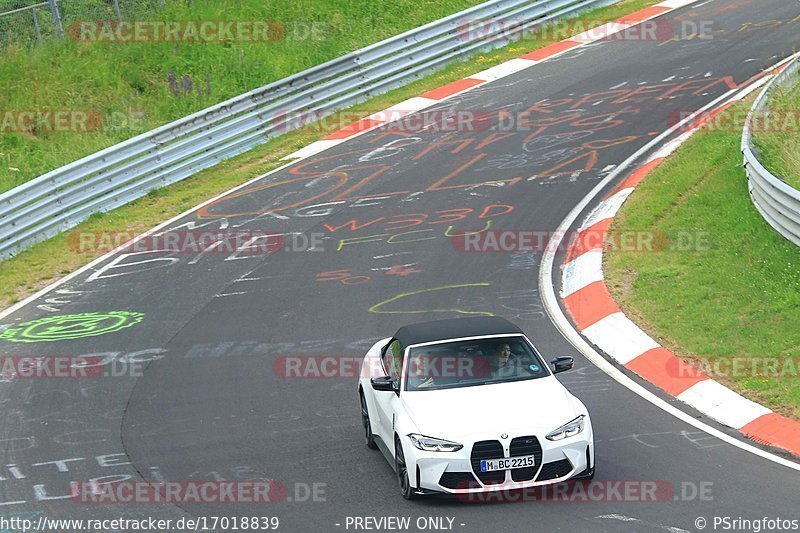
468, 405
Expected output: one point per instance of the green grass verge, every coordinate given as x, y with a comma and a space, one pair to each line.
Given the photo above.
42, 264
737, 300
779, 145
134, 87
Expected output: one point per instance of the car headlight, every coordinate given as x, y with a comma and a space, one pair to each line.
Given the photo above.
571, 428
429, 444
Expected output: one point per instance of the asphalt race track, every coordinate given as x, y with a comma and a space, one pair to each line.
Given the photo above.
214, 400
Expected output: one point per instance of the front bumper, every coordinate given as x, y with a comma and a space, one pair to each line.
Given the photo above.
459, 472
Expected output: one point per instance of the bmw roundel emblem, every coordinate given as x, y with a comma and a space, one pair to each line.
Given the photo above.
504, 435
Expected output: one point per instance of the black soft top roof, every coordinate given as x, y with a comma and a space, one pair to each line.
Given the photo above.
453, 328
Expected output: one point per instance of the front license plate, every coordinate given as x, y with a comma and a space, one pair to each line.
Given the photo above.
508, 463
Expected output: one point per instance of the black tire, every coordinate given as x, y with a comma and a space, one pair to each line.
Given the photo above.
368, 436
406, 490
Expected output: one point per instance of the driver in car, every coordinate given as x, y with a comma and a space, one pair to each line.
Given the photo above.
420, 375
503, 364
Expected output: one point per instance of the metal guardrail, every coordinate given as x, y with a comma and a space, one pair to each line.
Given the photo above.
778, 202
117, 175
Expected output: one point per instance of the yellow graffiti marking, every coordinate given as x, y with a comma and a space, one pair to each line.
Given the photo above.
376, 308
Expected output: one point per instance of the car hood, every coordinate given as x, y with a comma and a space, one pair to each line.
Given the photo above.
532, 407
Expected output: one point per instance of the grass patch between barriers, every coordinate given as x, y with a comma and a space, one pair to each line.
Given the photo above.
779, 143
42, 264
733, 306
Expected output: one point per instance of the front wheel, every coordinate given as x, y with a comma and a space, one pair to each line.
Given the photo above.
368, 436
402, 472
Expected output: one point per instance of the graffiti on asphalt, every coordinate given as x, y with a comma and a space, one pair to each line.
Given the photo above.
67, 327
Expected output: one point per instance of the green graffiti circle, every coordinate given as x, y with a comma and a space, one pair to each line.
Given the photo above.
67, 327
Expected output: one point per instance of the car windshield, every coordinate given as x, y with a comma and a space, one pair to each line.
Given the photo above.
470, 363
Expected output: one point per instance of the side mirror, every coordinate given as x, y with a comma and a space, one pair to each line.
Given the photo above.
385, 384
560, 364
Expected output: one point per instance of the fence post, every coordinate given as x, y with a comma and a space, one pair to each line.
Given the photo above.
36, 25
56, 19
119, 13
